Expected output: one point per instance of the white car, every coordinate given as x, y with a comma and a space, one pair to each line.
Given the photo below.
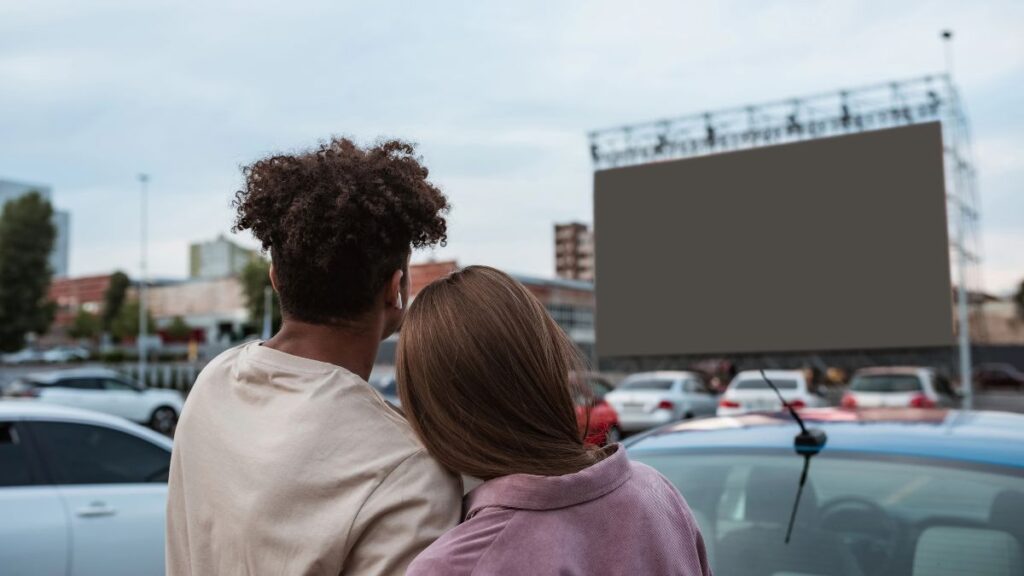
23, 356
902, 387
64, 354
650, 399
81, 493
105, 391
748, 392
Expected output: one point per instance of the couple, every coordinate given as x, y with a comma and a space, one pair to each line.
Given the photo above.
287, 462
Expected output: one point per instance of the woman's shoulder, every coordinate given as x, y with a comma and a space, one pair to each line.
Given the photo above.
460, 550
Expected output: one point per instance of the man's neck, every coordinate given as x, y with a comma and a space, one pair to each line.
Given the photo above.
354, 347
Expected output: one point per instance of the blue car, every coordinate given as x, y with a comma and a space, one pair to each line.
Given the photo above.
889, 492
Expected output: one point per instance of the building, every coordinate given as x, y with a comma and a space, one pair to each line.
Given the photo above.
10, 190
215, 306
72, 295
218, 258
574, 252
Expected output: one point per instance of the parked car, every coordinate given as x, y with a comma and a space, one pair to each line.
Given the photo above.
64, 354
893, 491
595, 417
897, 387
651, 399
749, 392
105, 391
81, 493
999, 377
23, 356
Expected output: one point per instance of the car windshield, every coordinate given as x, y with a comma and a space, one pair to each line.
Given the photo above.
646, 385
858, 515
886, 383
760, 384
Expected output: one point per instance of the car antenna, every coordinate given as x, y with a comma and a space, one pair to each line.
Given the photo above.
807, 443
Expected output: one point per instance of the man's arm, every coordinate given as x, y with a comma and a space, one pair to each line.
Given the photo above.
417, 503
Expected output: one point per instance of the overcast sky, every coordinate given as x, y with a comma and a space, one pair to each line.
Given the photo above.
499, 97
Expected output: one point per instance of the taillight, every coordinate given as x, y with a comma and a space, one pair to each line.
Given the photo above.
797, 404
921, 401
665, 405
25, 393
728, 403
848, 401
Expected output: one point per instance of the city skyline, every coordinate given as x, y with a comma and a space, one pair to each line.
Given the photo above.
499, 99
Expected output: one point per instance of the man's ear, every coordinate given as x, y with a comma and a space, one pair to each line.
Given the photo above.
273, 278
394, 293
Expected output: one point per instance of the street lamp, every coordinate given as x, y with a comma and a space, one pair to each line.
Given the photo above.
143, 328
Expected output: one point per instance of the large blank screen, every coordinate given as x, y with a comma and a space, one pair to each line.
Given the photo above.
829, 244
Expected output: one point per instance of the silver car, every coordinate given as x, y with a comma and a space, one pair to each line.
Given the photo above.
651, 399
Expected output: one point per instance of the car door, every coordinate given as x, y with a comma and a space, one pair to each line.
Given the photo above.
125, 400
114, 486
34, 536
77, 392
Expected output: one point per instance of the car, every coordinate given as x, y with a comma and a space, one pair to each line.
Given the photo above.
895, 386
749, 392
81, 493
650, 399
23, 356
892, 492
65, 354
597, 420
105, 391
999, 376
383, 380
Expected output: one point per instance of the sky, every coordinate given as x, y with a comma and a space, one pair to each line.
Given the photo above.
499, 98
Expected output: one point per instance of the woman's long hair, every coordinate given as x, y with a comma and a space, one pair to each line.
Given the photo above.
484, 376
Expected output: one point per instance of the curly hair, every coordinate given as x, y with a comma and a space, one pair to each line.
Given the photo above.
338, 221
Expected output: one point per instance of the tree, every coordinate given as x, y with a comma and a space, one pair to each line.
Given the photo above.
85, 325
113, 298
27, 234
178, 330
255, 278
126, 325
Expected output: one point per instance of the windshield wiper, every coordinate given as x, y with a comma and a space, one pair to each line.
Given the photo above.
807, 443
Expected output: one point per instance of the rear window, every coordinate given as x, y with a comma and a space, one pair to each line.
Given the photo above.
647, 385
886, 383
760, 384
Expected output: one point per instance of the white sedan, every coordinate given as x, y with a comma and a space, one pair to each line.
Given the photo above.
105, 391
651, 399
81, 493
749, 392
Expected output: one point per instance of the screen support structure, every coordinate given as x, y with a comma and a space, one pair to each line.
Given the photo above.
885, 105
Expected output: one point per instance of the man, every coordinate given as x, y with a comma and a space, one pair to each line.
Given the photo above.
285, 460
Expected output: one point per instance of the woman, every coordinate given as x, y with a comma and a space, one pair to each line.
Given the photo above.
483, 375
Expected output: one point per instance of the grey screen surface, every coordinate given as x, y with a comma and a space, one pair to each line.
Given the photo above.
829, 244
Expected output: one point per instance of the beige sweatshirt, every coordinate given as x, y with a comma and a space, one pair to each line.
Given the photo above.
284, 465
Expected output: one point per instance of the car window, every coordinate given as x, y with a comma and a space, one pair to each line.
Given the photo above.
760, 384
113, 384
14, 463
88, 454
80, 383
647, 385
857, 514
886, 383
598, 387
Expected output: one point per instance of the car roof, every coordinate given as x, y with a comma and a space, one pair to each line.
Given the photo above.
939, 434
11, 409
55, 375
756, 374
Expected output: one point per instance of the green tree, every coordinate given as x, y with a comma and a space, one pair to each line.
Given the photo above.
27, 234
178, 330
126, 325
255, 278
85, 325
113, 298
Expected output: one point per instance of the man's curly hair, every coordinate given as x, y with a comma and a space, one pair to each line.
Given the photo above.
338, 221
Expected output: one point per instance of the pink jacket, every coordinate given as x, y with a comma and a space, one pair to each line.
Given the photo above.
615, 517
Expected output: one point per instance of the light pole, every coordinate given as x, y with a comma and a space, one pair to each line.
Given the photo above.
143, 328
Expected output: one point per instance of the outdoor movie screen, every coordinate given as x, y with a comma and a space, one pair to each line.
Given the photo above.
829, 244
